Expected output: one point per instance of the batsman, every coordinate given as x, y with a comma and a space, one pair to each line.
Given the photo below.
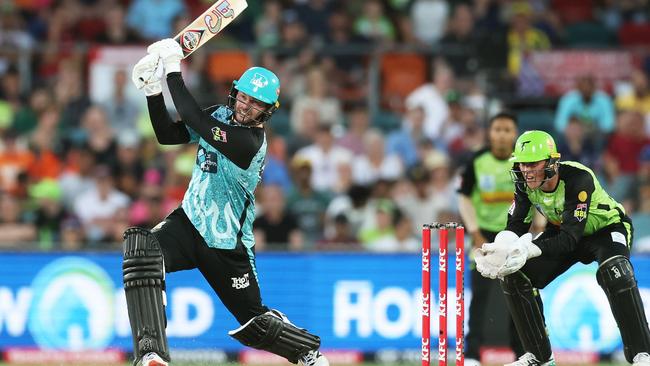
212, 229
584, 225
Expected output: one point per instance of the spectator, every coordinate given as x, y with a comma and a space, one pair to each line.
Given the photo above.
576, 146
116, 31
417, 200
638, 99
128, 167
354, 204
403, 142
276, 228
268, 24
306, 204
275, 169
373, 24
153, 19
325, 159
15, 161
69, 94
77, 174
318, 99
591, 105
374, 235
49, 213
621, 158
461, 36
99, 135
431, 98
315, 15
375, 165
429, 19
294, 33
358, 122
44, 145
26, 118
99, 208
16, 230
523, 38
403, 239
342, 237
121, 112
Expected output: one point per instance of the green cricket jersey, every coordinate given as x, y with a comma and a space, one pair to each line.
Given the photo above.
578, 206
486, 181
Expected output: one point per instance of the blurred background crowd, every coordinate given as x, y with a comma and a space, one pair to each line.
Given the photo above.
382, 101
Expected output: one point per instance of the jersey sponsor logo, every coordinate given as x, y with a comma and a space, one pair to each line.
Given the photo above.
486, 182
496, 197
219, 135
582, 196
580, 213
206, 160
240, 282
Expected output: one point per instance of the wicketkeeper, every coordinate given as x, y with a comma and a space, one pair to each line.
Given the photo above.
212, 229
584, 225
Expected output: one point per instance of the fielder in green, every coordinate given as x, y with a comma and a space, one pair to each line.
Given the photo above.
484, 196
584, 225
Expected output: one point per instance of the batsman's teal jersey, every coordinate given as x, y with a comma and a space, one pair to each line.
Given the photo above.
220, 200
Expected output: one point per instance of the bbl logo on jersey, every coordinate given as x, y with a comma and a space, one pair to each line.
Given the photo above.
206, 160
259, 81
580, 213
219, 135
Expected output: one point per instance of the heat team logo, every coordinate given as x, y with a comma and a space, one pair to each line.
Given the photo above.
190, 40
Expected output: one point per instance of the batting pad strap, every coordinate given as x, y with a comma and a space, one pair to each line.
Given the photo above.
270, 333
144, 285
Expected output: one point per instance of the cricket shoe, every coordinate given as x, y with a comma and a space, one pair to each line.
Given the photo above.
313, 358
529, 359
641, 359
152, 359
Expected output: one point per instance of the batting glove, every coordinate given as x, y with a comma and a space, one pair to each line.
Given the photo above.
170, 52
147, 74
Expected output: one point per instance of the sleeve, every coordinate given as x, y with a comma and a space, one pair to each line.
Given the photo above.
520, 214
239, 144
467, 179
577, 198
167, 132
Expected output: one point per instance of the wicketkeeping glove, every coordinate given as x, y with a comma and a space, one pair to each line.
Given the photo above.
147, 74
170, 52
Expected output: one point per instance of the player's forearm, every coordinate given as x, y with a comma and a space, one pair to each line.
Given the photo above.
467, 213
167, 132
557, 245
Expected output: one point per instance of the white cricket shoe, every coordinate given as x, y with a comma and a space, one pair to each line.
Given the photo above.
152, 359
641, 359
472, 362
529, 359
313, 358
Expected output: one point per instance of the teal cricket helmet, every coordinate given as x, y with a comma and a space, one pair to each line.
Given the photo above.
261, 84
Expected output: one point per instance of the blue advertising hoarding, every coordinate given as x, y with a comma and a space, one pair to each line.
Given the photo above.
363, 302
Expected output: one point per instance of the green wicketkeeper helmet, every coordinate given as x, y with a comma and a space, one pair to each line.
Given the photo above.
533, 146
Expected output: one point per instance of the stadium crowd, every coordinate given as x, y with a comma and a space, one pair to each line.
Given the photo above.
342, 173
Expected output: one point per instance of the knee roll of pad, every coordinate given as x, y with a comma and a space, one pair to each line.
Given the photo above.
527, 314
273, 332
616, 277
143, 273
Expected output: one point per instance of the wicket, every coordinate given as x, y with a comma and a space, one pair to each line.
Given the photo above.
443, 231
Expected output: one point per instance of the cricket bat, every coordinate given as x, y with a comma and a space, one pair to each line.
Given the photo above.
208, 24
